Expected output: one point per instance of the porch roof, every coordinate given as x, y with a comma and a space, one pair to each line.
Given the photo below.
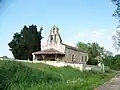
49, 51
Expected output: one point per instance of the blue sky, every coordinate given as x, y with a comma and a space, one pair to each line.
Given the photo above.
78, 20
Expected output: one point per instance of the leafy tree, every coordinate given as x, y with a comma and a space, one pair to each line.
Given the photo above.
107, 53
82, 46
113, 62
117, 11
116, 38
93, 50
5, 57
26, 42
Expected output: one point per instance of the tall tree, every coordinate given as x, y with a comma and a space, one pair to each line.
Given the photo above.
93, 50
40, 36
26, 42
117, 11
116, 38
82, 46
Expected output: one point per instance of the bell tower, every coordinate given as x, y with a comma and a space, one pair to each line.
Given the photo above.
54, 40
54, 36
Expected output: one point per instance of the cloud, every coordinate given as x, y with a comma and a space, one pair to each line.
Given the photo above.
99, 32
80, 34
113, 33
101, 36
93, 33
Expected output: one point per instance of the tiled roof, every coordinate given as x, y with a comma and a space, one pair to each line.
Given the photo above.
49, 51
73, 48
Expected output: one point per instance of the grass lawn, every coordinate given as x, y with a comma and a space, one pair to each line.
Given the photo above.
31, 76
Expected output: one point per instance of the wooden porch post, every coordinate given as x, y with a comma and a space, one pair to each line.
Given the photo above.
56, 58
43, 56
33, 56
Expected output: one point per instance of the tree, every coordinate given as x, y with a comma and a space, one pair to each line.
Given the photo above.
93, 50
5, 57
26, 42
82, 46
117, 11
116, 38
40, 37
107, 53
113, 62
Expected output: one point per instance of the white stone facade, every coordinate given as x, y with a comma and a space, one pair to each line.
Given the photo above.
55, 41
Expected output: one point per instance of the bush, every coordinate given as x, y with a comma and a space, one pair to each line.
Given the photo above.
92, 62
113, 62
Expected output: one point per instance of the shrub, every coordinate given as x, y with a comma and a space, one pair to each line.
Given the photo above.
113, 62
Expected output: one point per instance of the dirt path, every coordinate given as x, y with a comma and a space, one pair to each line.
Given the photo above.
113, 84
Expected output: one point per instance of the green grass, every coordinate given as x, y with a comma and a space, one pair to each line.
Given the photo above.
31, 76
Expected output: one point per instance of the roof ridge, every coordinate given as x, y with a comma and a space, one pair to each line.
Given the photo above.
74, 48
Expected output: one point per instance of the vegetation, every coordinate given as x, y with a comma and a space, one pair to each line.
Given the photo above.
117, 11
93, 50
116, 38
113, 62
4, 57
26, 42
29, 76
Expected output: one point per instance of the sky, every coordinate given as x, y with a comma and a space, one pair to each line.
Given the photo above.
78, 20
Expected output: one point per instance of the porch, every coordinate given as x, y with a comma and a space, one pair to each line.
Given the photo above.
48, 55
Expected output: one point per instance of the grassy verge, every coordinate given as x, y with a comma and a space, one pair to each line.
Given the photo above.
29, 76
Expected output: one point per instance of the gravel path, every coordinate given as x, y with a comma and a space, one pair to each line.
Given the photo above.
113, 84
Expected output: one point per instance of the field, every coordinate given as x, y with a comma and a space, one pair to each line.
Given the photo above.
31, 76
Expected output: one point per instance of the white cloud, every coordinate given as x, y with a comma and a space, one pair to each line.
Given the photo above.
101, 36
80, 34
97, 33
93, 33
113, 33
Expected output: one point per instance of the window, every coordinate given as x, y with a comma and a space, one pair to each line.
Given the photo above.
53, 30
51, 37
73, 58
55, 38
85, 58
82, 58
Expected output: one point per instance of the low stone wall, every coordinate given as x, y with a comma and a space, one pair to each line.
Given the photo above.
62, 64
93, 68
55, 63
81, 67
